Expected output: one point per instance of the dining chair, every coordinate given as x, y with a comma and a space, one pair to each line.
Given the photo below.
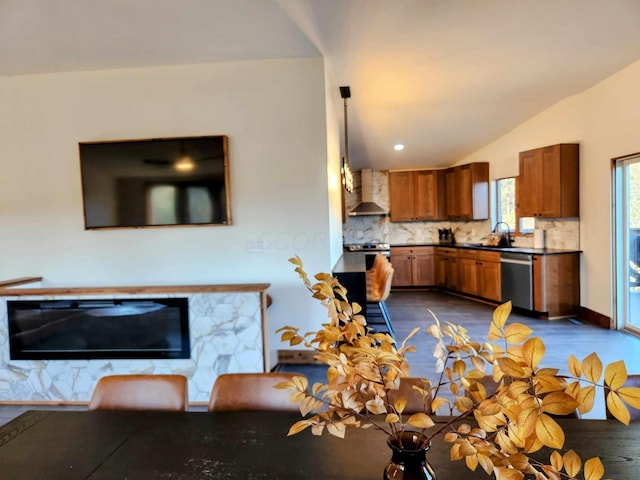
632, 381
416, 403
378, 289
251, 392
140, 392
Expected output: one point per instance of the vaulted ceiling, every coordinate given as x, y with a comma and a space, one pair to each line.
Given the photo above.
442, 77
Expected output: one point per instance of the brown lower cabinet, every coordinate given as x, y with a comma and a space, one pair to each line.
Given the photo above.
446, 268
480, 274
556, 278
413, 266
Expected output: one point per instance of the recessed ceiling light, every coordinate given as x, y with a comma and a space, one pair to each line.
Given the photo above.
398, 146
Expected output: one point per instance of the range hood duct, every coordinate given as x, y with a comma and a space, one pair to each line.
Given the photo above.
366, 207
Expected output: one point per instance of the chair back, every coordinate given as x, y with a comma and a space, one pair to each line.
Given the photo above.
140, 392
251, 392
416, 403
632, 381
379, 285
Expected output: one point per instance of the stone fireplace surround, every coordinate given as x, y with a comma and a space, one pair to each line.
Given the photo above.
227, 328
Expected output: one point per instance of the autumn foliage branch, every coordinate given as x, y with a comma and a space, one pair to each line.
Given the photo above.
514, 414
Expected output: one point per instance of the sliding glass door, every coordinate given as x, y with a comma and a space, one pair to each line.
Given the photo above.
627, 214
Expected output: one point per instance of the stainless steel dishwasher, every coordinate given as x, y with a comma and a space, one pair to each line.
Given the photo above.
516, 270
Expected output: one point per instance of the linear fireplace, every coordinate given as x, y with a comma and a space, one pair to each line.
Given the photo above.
99, 329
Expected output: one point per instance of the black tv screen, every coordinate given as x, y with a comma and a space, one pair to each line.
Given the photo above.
155, 182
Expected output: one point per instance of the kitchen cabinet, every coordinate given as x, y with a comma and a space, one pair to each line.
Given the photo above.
446, 268
467, 191
414, 195
548, 182
413, 266
479, 272
556, 284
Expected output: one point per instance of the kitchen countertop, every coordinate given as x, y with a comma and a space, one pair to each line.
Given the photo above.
472, 246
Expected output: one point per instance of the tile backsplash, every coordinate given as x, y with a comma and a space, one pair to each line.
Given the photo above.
561, 234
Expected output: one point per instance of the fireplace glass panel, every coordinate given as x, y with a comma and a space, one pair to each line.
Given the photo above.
89, 329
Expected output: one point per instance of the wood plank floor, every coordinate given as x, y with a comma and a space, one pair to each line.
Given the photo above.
408, 309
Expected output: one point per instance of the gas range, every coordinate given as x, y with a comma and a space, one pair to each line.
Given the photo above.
367, 247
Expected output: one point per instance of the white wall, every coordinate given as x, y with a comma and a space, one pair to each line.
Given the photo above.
605, 120
273, 112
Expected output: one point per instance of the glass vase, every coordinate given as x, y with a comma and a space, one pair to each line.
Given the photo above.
408, 459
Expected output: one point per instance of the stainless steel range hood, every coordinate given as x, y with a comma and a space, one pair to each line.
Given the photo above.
367, 206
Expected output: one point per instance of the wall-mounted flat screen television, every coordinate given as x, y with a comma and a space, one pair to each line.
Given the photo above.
155, 182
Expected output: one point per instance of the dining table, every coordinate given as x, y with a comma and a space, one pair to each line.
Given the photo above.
138, 445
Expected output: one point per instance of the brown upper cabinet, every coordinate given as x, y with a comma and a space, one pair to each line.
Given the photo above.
414, 195
548, 182
467, 191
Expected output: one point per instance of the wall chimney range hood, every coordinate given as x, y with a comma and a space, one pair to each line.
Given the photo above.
367, 206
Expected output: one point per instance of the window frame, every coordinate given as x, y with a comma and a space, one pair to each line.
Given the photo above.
517, 231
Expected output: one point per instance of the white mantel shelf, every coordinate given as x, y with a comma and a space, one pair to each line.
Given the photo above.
227, 323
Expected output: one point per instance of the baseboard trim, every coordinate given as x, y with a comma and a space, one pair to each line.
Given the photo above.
589, 316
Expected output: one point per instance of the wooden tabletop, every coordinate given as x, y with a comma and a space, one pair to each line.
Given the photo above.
97, 445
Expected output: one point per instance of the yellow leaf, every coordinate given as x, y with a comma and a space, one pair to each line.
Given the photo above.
618, 408
298, 427
615, 375
438, 402
501, 314
392, 418
399, 404
300, 382
504, 473
472, 462
574, 366
586, 398
533, 351
485, 463
516, 333
631, 395
556, 460
510, 367
592, 368
420, 420
336, 429
463, 404
467, 449
549, 432
593, 469
550, 472
558, 403
450, 437
458, 367
376, 406
527, 420
572, 463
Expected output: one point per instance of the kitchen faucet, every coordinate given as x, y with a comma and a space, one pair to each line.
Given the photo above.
508, 239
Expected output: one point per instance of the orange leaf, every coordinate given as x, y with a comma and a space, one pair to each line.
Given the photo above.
586, 398
631, 395
556, 460
615, 374
533, 351
510, 367
592, 368
504, 473
517, 333
558, 403
618, 408
298, 427
574, 366
572, 463
549, 432
420, 420
593, 469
